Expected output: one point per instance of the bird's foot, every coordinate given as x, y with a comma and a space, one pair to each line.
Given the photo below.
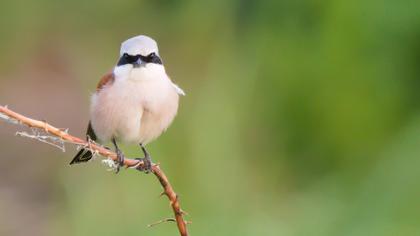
120, 160
147, 164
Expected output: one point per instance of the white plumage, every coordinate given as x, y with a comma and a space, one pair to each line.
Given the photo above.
140, 103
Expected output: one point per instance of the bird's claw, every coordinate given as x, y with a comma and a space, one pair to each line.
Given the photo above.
147, 164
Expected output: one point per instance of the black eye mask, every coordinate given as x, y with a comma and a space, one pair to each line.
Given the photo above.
151, 58
129, 59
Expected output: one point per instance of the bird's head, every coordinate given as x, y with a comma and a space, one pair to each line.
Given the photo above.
139, 51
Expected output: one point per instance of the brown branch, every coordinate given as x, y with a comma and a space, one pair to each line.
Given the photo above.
129, 163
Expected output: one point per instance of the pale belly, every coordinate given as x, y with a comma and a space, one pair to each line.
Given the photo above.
133, 111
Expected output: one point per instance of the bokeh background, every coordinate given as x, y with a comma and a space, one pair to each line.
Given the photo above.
301, 117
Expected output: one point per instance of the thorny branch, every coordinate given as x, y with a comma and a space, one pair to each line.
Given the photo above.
59, 137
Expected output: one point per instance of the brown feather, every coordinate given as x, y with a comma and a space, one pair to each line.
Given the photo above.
84, 154
107, 79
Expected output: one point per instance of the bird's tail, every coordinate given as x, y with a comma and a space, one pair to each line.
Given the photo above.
83, 155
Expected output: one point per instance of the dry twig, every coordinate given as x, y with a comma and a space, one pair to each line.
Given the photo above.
63, 136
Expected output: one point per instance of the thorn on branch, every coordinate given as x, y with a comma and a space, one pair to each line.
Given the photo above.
172, 202
45, 125
65, 130
162, 221
184, 213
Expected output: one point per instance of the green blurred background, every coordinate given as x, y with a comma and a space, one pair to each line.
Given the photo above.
301, 117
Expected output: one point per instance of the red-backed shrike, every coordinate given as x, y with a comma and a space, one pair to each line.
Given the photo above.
135, 103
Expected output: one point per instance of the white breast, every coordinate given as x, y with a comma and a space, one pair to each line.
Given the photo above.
137, 107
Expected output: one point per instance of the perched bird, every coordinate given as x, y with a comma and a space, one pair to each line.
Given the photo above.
135, 103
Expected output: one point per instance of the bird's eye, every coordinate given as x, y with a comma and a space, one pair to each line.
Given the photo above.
154, 58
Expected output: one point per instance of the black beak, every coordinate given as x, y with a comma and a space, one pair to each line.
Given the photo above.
138, 62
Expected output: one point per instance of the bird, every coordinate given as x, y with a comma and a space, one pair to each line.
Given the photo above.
134, 103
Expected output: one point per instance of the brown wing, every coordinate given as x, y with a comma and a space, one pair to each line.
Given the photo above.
85, 154
105, 80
